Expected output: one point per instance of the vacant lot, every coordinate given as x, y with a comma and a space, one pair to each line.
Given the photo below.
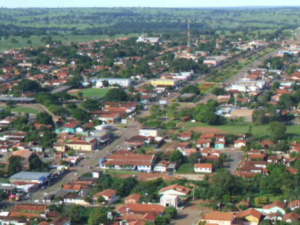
237, 129
91, 92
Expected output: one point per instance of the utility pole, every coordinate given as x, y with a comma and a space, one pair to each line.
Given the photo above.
189, 37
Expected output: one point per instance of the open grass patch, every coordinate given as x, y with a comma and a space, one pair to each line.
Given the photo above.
25, 110
93, 92
186, 168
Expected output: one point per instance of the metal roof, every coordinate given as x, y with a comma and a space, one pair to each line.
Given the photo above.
24, 175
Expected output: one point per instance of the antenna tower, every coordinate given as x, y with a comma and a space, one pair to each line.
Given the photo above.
189, 37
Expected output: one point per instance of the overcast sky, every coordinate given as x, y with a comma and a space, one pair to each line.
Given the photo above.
143, 3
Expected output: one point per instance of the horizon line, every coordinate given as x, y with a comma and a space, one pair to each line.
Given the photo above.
187, 7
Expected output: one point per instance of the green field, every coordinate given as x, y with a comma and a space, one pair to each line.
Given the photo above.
92, 92
25, 110
243, 128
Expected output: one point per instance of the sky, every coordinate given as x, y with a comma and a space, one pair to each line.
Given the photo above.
145, 3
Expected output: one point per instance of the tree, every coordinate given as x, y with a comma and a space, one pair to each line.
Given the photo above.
101, 199
91, 104
259, 117
105, 83
116, 95
177, 157
194, 157
277, 131
44, 118
28, 85
10, 103
15, 165
193, 89
36, 164
97, 216
80, 114
218, 91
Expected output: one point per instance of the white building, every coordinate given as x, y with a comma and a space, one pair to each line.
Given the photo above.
169, 200
150, 40
203, 168
112, 81
150, 132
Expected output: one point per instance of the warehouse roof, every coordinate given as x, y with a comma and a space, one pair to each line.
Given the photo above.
24, 175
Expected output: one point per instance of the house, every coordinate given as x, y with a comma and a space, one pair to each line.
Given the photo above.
67, 128
219, 144
203, 168
133, 199
218, 218
294, 205
291, 217
188, 151
29, 211
109, 195
240, 143
161, 166
26, 155
129, 161
275, 207
185, 136
150, 40
203, 143
140, 209
83, 145
175, 189
251, 216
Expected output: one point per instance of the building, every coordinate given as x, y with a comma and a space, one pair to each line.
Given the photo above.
162, 82
219, 144
240, 143
170, 201
242, 113
109, 195
218, 218
113, 81
175, 189
26, 155
203, 168
140, 209
251, 216
30, 177
130, 161
161, 166
275, 207
133, 199
149, 40
150, 132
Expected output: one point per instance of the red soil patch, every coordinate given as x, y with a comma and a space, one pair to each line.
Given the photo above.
149, 176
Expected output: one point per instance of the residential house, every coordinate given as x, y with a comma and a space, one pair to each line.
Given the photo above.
240, 143
129, 161
188, 151
185, 136
291, 217
219, 144
218, 218
140, 209
161, 166
203, 143
133, 199
275, 207
150, 132
203, 168
67, 128
250, 216
294, 205
110, 196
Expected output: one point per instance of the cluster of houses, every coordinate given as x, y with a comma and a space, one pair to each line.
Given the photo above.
273, 212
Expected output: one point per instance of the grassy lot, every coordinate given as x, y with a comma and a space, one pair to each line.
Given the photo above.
91, 92
186, 168
25, 110
243, 128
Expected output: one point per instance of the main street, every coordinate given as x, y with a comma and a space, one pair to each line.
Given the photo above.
91, 161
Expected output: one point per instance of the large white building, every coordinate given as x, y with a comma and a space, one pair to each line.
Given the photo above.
112, 81
150, 40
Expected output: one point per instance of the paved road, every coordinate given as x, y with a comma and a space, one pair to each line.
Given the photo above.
235, 159
91, 160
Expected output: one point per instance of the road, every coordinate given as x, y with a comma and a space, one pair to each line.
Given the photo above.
234, 159
92, 160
